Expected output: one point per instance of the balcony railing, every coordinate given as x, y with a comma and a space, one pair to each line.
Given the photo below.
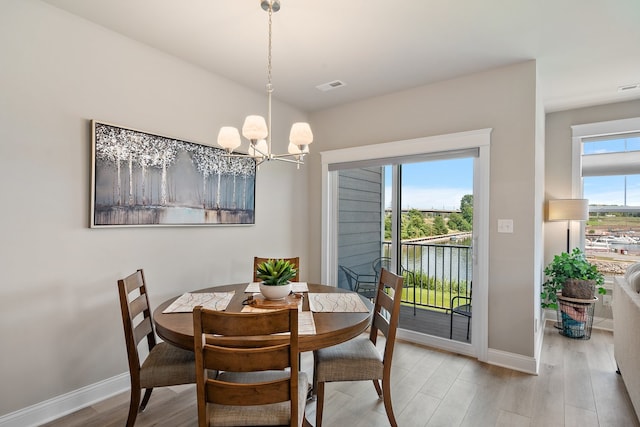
434, 273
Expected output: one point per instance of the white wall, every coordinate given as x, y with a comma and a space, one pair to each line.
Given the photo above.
60, 325
503, 99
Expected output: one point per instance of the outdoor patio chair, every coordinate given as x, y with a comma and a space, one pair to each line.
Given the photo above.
362, 283
463, 309
385, 262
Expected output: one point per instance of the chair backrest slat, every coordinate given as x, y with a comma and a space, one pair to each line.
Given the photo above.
238, 324
381, 323
237, 394
142, 330
246, 359
134, 281
138, 305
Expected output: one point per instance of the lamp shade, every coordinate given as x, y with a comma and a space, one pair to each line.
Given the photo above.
301, 134
568, 210
229, 138
255, 128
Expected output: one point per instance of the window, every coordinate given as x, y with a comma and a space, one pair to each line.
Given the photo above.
610, 180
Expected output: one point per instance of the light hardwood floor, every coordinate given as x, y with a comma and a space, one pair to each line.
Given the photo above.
577, 386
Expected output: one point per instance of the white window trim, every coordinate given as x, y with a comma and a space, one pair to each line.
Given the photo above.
480, 139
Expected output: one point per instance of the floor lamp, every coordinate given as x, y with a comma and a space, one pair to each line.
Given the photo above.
568, 210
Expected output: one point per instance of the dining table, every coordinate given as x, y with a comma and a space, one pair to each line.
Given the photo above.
338, 316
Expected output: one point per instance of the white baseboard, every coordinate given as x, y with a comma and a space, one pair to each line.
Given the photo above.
67, 403
514, 361
495, 357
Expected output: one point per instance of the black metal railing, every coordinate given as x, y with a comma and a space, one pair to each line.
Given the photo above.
434, 273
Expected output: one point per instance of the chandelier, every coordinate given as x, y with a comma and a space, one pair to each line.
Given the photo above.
258, 131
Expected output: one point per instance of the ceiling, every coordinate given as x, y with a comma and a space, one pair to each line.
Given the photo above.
585, 49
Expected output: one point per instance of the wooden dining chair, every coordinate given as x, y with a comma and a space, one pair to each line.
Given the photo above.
295, 261
359, 359
254, 386
165, 364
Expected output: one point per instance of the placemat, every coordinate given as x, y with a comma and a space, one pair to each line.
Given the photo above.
336, 302
211, 300
254, 287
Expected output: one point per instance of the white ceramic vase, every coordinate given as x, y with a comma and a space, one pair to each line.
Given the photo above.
275, 292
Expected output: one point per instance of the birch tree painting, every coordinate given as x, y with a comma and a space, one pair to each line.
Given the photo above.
145, 179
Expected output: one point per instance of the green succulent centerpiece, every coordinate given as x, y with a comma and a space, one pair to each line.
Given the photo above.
567, 272
275, 276
276, 272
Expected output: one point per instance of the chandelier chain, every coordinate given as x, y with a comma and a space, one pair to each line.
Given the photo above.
269, 87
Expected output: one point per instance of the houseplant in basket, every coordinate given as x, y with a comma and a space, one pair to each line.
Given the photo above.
275, 276
575, 278
572, 275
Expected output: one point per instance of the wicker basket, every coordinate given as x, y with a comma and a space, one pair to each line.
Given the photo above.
576, 317
579, 289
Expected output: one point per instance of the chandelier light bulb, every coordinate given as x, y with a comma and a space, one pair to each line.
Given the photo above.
301, 134
255, 128
229, 138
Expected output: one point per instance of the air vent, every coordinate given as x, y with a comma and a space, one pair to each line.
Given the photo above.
627, 88
331, 85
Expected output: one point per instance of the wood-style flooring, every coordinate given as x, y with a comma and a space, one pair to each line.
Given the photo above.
577, 386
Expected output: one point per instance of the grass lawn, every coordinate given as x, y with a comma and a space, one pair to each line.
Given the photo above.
427, 296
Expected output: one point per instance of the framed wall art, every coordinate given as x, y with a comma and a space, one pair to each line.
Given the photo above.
141, 179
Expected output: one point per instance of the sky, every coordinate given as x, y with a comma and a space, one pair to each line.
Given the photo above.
612, 190
441, 184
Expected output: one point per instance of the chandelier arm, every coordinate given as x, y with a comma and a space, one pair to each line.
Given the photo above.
282, 159
285, 155
257, 150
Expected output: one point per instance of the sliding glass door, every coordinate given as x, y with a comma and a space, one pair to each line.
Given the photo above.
416, 219
380, 201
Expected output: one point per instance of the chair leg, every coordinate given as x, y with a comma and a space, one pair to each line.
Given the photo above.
314, 385
145, 399
133, 406
319, 403
386, 387
468, 325
451, 326
376, 384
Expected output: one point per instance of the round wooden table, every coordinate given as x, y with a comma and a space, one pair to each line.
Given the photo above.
331, 328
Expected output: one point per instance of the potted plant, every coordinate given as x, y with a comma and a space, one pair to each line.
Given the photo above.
572, 275
575, 278
275, 276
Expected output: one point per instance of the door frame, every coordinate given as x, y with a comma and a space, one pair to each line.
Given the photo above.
477, 139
